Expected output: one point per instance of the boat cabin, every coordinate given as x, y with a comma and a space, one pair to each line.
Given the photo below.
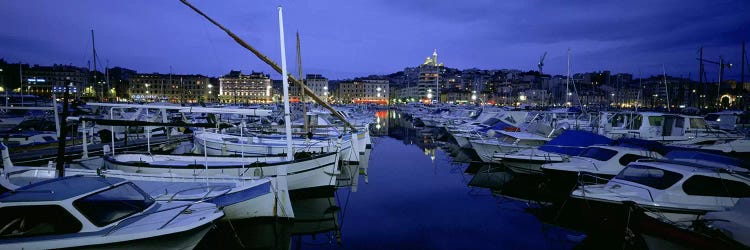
69, 205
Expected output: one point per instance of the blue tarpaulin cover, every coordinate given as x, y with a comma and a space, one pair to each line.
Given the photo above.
572, 142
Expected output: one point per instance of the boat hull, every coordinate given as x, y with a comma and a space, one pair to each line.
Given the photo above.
318, 171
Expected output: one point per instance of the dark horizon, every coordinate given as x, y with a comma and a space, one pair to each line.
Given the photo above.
346, 40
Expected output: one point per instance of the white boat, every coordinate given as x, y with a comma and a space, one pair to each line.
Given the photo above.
99, 213
507, 142
238, 197
666, 128
217, 144
597, 163
678, 190
319, 170
569, 143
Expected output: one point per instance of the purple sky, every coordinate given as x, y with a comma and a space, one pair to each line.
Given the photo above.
342, 39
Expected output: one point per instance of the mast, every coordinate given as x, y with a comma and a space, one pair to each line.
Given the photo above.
285, 87
742, 75
93, 48
640, 88
567, 82
666, 88
20, 75
272, 64
302, 90
106, 75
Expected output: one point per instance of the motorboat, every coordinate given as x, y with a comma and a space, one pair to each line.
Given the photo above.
559, 149
99, 213
597, 164
677, 189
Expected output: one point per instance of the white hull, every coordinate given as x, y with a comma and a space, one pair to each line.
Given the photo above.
486, 149
317, 172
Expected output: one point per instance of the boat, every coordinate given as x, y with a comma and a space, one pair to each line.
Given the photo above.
715, 230
508, 142
99, 213
559, 149
238, 197
595, 164
678, 189
307, 170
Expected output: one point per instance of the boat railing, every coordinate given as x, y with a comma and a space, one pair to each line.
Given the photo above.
585, 179
650, 196
210, 189
184, 207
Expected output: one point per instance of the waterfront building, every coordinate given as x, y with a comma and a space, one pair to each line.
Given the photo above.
318, 84
43, 80
236, 88
364, 91
173, 88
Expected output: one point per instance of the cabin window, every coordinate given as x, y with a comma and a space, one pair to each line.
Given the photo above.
655, 121
698, 123
113, 204
627, 121
28, 221
49, 138
637, 122
628, 158
711, 186
649, 176
601, 154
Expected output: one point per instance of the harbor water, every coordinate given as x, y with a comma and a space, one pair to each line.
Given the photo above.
419, 192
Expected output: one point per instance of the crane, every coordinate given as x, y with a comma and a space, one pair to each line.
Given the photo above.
541, 63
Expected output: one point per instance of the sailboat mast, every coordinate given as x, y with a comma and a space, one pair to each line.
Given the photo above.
285, 87
666, 88
93, 48
567, 82
20, 77
302, 90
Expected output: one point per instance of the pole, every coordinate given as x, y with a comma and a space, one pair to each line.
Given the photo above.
5, 86
718, 86
302, 90
567, 81
272, 64
20, 75
742, 76
666, 88
93, 48
63, 133
285, 81
701, 71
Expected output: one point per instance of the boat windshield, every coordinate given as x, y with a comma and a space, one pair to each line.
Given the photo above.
491, 121
601, 154
113, 204
649, 176
698, 123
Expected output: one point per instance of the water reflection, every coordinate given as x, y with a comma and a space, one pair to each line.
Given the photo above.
427, 193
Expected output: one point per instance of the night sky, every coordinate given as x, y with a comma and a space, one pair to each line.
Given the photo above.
343, 39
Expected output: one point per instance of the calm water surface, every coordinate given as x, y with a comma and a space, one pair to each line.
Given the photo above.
416, 197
